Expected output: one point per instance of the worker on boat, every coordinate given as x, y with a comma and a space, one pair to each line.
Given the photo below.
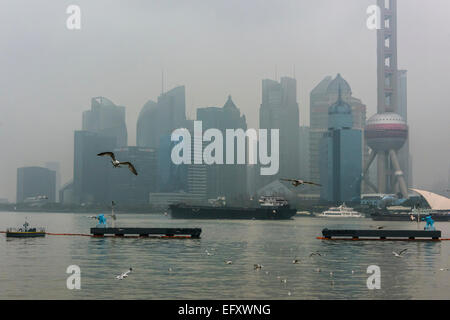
430, 223
101, 221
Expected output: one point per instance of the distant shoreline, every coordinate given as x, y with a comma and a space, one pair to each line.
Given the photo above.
80, 209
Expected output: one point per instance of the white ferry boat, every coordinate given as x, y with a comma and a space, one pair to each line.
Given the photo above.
340, 212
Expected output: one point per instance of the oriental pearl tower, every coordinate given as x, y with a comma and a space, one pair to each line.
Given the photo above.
386, 131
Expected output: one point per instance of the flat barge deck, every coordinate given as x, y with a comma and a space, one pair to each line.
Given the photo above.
354, 234
193, 233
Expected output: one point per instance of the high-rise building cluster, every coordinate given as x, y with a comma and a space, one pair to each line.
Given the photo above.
331, 151
336, 150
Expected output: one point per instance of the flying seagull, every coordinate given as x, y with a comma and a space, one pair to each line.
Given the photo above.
398, 255
124, 275
314, 254
116, 163
297, 182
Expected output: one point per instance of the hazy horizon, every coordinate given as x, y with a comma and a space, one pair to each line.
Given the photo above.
214, 48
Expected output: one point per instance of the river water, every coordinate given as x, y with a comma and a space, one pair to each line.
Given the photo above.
182, 269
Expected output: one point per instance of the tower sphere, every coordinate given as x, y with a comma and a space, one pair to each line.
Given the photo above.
386, 131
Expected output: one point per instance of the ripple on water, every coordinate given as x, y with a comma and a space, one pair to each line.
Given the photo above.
182, 269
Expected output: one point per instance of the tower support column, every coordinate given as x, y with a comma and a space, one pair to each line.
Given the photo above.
399, 174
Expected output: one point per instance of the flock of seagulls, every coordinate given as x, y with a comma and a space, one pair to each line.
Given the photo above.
282, 280
295, 182
116, 163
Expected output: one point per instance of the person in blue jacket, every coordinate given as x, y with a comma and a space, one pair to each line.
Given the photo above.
101, 221
430, 223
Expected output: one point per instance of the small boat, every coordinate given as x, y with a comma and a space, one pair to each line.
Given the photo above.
25, 232
340, 212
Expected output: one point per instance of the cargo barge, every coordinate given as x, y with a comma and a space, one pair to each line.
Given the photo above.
270, 208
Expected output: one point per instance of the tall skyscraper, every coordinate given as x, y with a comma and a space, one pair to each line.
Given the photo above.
340, 156
107, 119
225, 180
91, 173
158, 119
34, 182
322, 97
156, 122
279, 110
387, 131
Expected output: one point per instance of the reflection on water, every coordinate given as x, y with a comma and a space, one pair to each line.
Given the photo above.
183, 269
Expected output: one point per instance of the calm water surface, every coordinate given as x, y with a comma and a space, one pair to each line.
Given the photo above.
181, 269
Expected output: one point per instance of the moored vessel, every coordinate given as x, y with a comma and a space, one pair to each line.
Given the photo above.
25, 232
270, 208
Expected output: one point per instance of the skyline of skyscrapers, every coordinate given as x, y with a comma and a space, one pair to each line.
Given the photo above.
106, 123
301, 154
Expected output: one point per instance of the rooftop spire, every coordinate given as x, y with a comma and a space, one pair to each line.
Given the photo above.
229, 103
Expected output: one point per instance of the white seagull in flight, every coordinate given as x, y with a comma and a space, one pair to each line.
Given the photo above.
398, 255
116, 163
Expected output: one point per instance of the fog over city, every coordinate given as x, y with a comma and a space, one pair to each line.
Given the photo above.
215, 48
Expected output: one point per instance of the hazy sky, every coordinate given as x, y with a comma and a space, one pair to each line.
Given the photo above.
214, 47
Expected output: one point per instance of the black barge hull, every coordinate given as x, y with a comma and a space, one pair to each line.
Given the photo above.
205, 212
193, 233
25, 234
381, 234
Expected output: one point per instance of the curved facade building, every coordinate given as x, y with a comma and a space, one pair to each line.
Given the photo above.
147, 126
107, 119
158, 119
156, 122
